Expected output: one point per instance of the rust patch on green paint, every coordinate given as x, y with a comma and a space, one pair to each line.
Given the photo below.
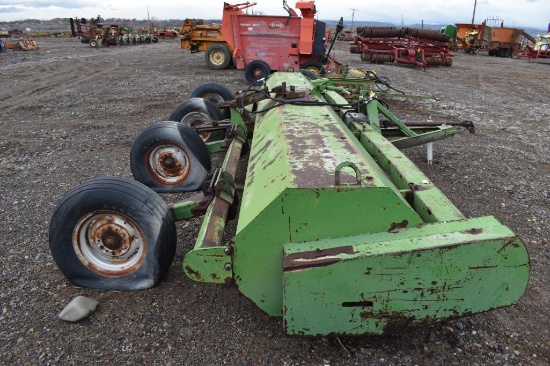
397, 226
193, 273
473, 231
509, 242
316, 258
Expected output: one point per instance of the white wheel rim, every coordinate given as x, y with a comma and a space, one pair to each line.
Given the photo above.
109, 243
195, 119
169, 164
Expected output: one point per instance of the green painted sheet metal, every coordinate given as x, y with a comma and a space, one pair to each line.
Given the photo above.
300, 147
298, 215
208, 265
290, 194
184, 210
427, 200
383, 283
207, 262
364, 256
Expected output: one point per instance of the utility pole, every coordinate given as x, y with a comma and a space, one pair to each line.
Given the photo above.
352, 16
474, 14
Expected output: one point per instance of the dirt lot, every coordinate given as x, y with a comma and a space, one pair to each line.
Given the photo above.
69, 113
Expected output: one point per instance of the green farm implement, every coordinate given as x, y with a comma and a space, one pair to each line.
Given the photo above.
337, 230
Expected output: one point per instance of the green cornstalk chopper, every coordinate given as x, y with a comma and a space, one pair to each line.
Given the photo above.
338, 231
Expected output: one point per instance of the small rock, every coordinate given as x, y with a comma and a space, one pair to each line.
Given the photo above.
405, 359
79, 308
459, 326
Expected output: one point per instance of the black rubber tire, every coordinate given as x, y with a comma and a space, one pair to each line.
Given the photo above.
148, 40
309, 74
170, 157
215, 93
155, 39
217, 57
313, 66
105, 200
94, 43
206, 109
256, 70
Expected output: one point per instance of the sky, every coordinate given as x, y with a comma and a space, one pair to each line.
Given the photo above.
514, 13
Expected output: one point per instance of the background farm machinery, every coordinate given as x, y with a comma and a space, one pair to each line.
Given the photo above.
496, 40
539, 49
260, 44
418, 47
165, 32
94, 33
17, 40
338, 231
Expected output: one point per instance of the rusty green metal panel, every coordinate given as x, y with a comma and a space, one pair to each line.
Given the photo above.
384, 283
430, 203
290, 194
208, 265
307, 214
210, 260
370, 250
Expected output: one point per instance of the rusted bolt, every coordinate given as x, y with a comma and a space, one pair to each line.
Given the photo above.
228, 250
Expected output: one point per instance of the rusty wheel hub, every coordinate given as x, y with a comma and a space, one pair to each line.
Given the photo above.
195, 119
168, 163
109, 243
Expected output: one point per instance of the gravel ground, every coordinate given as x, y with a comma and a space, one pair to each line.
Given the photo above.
68, 113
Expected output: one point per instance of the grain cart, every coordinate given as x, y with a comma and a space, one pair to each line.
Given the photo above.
338, 231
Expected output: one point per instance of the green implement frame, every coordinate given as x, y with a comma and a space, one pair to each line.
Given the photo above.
338, 231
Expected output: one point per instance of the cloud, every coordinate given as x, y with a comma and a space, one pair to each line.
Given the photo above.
40, 4
10, 9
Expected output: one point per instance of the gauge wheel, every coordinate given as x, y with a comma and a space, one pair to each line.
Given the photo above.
215, 93
196, 112
113, 234
170, 157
